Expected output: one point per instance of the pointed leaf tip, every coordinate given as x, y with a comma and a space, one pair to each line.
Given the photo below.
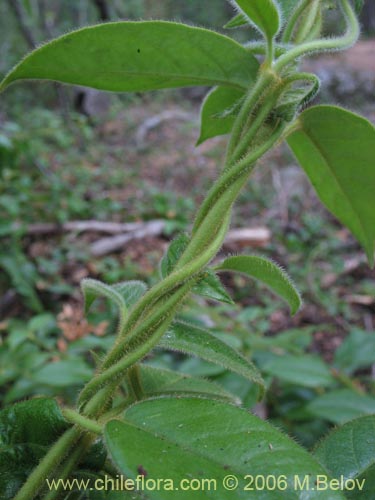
139, 56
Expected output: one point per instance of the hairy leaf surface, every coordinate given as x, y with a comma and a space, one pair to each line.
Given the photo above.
209, 439
349, 451
27, 430
191, 339
268, 273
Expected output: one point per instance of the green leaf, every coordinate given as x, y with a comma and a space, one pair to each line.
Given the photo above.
131, 291
27, 430
268, 273
208, 286
336, 149
70, 372
236, 22
306, 370
92, 289
161, 382
218, 112
139, 56
263, 14
173, 253
197, 438
341, 405
359, 5
357, 351
349, 451
190, 339
24, 277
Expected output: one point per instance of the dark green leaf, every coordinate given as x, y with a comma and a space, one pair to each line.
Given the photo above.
139, 56
218, 112
349, 451
341, 405
197, 438
359, 5
190, 339
306, 370
23, 276
173, 253
336, 149
263, 14
27, 429
268, 273
357, 351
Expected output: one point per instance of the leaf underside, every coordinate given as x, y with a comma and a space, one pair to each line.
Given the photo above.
336, 149
139, 56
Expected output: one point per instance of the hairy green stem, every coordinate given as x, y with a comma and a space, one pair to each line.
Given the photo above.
70, 463
305, 28
139, 346
153, 314
294, 19
265, 80
37, 479
338, 43
85, 423
134, 382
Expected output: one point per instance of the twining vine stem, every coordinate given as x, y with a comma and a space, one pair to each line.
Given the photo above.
140, 331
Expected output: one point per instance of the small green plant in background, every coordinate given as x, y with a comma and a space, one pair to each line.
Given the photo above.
134, 418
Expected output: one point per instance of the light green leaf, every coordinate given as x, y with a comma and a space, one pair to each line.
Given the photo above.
70, 372
92, 289
306, 370
139, 56
161, 382
190, 339
349, 451
197, 438
263, 14
357, 351
336, 149
131, 291
218, 112
236, 22
341, 405
268, 273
